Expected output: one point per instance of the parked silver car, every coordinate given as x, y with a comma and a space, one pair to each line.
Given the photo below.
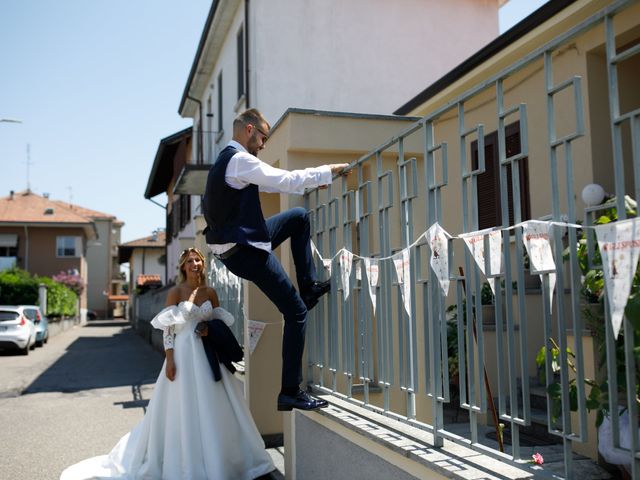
33, 313
16, 330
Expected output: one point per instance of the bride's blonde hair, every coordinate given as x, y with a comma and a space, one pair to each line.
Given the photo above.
184, 255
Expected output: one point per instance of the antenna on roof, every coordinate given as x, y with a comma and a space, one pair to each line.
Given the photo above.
29, 163
70, 195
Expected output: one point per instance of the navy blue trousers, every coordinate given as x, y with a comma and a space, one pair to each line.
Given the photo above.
264, 269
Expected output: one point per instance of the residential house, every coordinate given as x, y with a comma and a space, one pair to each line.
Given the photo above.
521, 130
147, 268
146, 259
44, 237
173, 157
515, 132
104, 276
331, 55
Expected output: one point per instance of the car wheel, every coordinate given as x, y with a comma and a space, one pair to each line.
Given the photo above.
46, 338
25, 350
39, 343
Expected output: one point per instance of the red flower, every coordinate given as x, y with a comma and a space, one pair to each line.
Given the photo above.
537, 458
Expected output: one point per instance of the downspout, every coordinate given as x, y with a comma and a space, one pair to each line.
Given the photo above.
26, 248
200, 143
246, 53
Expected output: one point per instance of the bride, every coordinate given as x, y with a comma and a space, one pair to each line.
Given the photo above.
195, 427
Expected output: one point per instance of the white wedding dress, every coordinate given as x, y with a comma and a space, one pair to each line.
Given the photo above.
195, 428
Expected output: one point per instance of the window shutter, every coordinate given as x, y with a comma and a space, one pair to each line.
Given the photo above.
489, 194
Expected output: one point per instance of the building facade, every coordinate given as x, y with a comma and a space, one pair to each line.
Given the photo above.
44, 238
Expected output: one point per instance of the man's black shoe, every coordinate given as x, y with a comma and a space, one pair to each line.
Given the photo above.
312, 292
301, 401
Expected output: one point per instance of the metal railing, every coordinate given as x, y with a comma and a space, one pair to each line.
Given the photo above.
230, 291
403, 362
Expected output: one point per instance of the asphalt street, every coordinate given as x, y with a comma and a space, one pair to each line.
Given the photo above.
74, 398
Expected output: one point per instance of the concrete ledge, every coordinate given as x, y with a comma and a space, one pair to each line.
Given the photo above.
59, 326
390, 446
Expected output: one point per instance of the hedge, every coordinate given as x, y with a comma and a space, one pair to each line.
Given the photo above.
61, 301
18, 287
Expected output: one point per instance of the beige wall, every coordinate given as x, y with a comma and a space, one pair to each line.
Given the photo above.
41, 259
304, 140
99, 267
145, 261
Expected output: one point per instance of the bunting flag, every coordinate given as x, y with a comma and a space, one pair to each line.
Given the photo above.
537, 241
326, 262
438, 241
372, 271
475, 244
619, 244
346, 261
327, 265
255, 329
403, 272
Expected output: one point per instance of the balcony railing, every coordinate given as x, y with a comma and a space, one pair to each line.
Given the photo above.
429, 358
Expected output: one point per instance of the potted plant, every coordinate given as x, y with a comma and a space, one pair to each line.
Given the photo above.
592, 292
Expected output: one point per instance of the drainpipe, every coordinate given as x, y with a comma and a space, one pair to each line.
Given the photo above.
26, 248
246, 53
200, 152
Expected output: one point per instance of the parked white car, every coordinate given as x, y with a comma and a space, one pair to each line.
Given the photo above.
16, 330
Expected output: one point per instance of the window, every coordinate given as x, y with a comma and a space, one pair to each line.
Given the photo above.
219, 106
241, 69
185, 210
8, 251
68, 246
180, 215
489, 203
8, 245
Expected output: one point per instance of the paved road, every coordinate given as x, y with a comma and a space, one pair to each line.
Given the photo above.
72, 399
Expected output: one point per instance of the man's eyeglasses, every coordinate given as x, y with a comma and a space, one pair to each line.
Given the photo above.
265, 137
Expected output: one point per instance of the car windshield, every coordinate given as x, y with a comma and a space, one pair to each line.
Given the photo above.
8, 315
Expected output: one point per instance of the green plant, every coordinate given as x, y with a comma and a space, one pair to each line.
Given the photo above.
592, 291
61, 301
17, 287
486, 294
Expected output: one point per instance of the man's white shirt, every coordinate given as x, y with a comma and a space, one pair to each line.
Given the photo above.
245, 169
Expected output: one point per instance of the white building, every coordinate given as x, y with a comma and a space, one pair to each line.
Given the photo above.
355, 56
365, 56
147, 261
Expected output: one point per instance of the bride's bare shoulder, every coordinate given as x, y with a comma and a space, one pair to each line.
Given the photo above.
173, 295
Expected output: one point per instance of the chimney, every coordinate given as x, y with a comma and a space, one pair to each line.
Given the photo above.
154, 236
46, 195
11, 195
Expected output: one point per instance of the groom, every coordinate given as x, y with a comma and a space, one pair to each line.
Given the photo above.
240, 237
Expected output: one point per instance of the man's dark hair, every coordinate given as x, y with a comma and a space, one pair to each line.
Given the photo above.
251, 116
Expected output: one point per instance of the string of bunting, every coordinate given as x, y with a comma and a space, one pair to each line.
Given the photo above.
619, 244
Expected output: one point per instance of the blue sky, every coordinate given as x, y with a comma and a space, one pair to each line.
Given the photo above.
97, 84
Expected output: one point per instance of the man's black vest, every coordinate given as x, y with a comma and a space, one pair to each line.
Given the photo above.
233, 216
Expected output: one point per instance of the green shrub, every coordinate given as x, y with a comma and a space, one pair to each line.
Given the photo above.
17, 287
61, 301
